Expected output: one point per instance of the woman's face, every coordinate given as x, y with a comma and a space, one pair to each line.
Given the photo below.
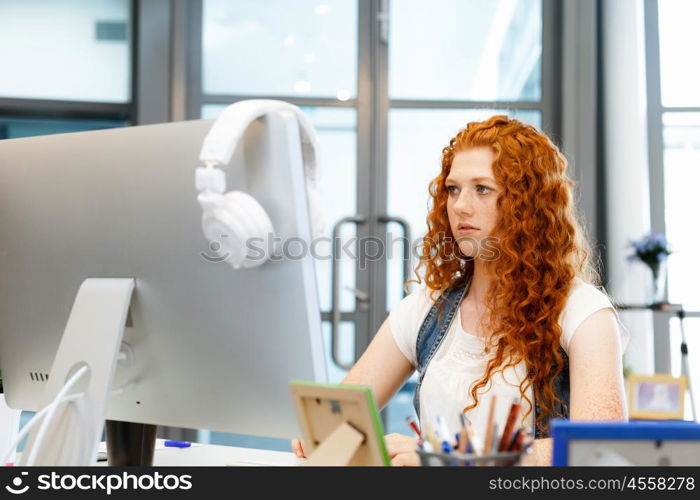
472, 193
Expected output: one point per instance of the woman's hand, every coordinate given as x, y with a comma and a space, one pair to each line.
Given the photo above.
298, 448
402, 449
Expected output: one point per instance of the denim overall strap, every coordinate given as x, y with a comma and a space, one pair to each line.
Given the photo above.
562, 391
432, 332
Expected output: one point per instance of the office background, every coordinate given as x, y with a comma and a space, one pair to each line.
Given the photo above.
387, 83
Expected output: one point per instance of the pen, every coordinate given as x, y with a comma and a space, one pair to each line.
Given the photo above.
177, 444
463, 441
443, 434
473, 440
494, 445
430, 435
510, 424
414, 427
514, 442
489, 437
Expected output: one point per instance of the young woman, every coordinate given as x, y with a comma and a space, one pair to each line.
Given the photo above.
509, 308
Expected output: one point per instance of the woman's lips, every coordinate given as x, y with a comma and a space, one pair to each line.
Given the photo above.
466, 230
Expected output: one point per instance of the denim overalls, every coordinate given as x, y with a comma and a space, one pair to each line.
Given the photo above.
432, 332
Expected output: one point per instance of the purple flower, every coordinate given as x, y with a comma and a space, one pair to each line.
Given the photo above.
651, 249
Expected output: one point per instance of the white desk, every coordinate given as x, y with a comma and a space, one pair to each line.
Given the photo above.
209, 454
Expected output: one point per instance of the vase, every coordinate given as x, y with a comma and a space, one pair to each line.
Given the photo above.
656, 283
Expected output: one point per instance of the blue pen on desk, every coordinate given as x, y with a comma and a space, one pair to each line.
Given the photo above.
443, 434
177, 444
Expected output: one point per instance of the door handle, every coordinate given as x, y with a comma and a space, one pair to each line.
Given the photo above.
359, 294
406, 228
335, 286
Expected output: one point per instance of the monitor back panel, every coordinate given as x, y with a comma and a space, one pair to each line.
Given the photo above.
213, 347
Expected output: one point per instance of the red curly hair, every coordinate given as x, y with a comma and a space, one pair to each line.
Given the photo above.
540, 244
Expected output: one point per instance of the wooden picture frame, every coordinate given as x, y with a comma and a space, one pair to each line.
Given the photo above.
340, 424
656, 397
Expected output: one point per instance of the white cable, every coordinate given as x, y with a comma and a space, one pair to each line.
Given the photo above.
36, 445
40, 414
29, 425
25, 430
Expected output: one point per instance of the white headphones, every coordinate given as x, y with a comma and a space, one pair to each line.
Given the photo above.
236, 214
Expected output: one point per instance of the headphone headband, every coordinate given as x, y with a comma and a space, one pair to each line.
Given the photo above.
236, 214
229, 127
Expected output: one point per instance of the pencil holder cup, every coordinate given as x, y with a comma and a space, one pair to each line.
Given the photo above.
503, 459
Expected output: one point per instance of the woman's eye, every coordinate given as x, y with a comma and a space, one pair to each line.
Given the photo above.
452, 189
483, 189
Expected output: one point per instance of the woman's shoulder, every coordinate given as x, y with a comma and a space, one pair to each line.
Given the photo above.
419, 300
406, 318
582, 292
408, 315
584, 299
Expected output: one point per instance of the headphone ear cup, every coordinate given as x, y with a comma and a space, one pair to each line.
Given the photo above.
238, 230
251, 221
225, 234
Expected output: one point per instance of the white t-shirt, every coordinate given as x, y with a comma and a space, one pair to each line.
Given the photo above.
460, 360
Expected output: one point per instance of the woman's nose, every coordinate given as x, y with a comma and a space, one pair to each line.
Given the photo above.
464, 204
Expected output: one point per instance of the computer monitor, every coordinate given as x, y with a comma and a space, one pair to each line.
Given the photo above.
213, 347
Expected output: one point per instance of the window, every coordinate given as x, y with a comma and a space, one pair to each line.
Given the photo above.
66, 67
90, 63
253, 49
473, 50
678, 32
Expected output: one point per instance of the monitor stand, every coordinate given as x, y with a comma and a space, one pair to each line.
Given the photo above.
92, 338
130, 444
